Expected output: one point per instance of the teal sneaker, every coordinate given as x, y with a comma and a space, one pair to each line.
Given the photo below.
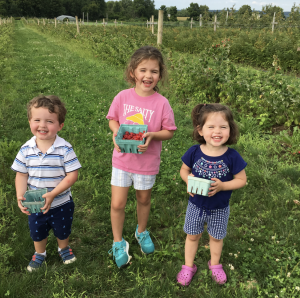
120, 253
144, 240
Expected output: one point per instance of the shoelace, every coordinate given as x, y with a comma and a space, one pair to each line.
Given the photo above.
143, 236
115, 250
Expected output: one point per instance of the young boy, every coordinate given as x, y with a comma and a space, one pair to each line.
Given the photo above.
47, 161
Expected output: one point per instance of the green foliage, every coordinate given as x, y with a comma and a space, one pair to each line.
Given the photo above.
6, 31
8, 152
173, 13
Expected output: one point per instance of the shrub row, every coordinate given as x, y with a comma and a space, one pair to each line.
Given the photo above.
208, 76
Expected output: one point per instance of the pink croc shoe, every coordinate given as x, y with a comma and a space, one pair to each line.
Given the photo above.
184, 277
218, 274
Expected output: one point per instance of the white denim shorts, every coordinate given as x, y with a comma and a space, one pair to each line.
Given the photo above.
125, 179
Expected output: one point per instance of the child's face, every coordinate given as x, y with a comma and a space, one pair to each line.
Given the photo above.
44, 125
215, 131
146, 77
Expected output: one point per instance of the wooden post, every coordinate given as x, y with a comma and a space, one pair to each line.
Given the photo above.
77, 24
103, 22
152, 20
273, 23
191, 23
226, 18
200, 20
121, 23
87, 18
38, 22
147, 23
55, 22
96, 23
115, 22
44, 22
83, 18
160, 26
215, 23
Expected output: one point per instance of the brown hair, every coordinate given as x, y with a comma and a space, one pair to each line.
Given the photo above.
52, 103
199, 116
145, 53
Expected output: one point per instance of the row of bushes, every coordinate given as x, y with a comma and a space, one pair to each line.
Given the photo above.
208, 76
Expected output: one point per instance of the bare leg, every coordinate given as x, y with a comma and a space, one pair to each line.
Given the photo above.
216, 247
117, 211
40, 246
191, 246
62, 243
143, 208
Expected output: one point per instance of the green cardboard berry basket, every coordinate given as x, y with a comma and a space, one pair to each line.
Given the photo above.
34, 201
199, 186
130, 146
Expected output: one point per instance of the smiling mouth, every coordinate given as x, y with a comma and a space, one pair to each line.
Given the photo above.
147, 82
42, 131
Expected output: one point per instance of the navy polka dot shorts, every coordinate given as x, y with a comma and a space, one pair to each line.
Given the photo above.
216, 220
59, 219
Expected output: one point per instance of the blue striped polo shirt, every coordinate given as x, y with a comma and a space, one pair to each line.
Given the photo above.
49, 169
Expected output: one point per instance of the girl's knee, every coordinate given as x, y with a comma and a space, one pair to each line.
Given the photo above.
214, 239
118, 205
194, 237
143, 198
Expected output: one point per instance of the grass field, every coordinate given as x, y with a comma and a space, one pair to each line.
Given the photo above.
261, 251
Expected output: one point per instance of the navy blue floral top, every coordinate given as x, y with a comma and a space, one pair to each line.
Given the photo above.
222, 167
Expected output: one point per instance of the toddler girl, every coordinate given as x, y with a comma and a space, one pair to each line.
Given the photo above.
214, 129
139, 105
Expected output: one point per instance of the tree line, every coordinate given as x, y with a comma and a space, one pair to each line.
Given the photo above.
132, 10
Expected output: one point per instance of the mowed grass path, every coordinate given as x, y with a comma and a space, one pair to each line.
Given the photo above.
87, 87
263, 224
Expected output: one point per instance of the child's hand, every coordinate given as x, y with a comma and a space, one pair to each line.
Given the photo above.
115, 144
48, 200
192, 175
144, 147
23, 209
215, 187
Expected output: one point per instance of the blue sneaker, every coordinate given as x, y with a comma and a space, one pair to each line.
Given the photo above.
67, 255
120, 253
144, 240
36, 262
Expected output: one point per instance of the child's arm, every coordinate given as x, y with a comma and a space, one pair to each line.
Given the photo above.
21, 187
185, 171
67, 182
162, 135
237, 182
114, 126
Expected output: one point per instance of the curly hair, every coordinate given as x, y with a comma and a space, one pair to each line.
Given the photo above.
50, 102
145, 53
199, 115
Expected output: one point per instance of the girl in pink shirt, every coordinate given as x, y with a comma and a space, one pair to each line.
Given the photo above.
139, 105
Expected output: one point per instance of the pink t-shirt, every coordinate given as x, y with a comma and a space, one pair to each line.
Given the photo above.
154, 111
